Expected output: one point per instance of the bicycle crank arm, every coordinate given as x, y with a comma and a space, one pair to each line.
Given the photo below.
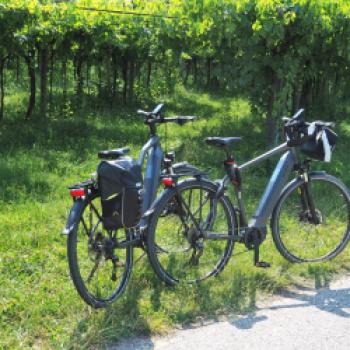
220, 237
127, 243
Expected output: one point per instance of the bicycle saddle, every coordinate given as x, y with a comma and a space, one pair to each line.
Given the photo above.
221, 141
113, 153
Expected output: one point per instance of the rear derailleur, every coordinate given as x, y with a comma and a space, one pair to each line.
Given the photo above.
103, 246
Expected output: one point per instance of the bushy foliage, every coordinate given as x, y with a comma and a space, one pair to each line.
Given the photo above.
280, 53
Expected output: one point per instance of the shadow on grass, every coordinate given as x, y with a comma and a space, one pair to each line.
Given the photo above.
17, 181
146, 299
104, 327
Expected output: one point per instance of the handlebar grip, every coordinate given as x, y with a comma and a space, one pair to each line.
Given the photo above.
295, 119
141, 112
181, 120
298, 114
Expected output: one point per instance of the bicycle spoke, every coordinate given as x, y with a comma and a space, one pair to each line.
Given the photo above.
179, 247
94, 269
314, 241
103, 269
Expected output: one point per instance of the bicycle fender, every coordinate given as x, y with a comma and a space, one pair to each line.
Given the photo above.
187, 169
317, 172
149, 213
74, 215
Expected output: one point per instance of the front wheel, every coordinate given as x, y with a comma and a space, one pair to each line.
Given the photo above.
99, 270
190, 236
311, 221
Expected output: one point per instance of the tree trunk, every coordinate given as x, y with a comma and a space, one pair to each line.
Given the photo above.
43, 81
297, 98
187, 74
18, 67
131, 80
109, 78
64, 79
208, 70
80, 79
31, 72
149, 72
99, 73
195, 70
271, 117
306, 95
51, 76
88, 77
115, 77
125, 78
2, 86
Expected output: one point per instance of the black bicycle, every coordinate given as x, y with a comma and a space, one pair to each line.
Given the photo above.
110, 213
195, 225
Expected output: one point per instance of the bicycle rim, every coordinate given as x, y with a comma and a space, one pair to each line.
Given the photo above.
98, 280
177, 258
298, 237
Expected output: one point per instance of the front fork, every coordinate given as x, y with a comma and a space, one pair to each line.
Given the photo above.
307, 201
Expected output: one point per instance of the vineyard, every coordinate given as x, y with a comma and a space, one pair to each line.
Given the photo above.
72, 75
281, 54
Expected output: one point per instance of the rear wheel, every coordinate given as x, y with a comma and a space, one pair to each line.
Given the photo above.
187, 241
302, 235
99, 271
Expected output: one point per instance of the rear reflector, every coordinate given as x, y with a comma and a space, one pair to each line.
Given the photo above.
77, 192
167, 181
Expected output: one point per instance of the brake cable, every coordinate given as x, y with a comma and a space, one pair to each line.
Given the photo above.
166, 137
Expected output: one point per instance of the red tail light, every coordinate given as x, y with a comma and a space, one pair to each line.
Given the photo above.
167, 181
77, 192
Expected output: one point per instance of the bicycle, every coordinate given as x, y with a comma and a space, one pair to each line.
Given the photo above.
100, 254
309, 216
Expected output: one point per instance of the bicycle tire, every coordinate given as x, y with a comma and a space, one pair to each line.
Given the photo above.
76, 265
327, 241
155, 240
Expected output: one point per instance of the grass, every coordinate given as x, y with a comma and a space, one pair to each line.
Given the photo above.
39, 307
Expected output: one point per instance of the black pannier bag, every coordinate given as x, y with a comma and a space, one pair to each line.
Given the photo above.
120, 185
321, 145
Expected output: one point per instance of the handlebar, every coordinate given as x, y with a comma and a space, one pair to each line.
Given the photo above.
181, 120
155, 117
155, 113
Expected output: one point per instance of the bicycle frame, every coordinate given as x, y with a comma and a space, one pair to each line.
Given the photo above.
152, 172
273, 189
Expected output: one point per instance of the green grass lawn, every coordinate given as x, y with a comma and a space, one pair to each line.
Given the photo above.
39, 307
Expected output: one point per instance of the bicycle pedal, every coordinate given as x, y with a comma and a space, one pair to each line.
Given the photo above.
263, 264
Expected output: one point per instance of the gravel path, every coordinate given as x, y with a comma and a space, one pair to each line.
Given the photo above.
302, 318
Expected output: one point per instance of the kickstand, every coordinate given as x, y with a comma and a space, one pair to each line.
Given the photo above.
257, 261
